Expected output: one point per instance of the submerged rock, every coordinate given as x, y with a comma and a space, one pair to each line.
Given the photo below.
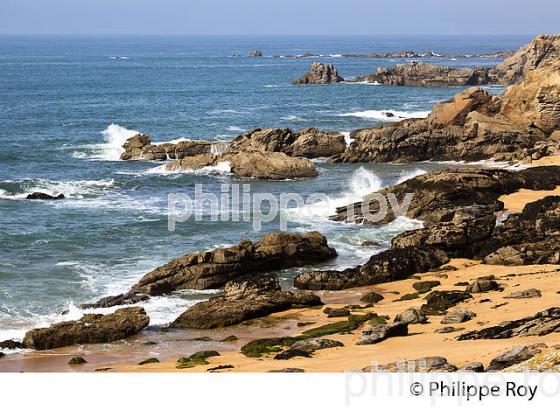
41, 196
91, 328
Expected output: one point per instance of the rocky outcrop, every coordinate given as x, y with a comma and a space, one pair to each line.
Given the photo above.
140, 147
245, 298
213, 269
541, 324
420, 74
308, 143
457, 315
412, 316
438, 302
250, 164
542, 50
542, 362
388, 266
91, 328
320, 74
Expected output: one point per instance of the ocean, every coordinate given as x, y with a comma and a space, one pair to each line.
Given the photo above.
68, 103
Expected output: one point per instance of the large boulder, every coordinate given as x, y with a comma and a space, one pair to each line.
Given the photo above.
244, 298
213, 269
320, 74
378, 333
91, 328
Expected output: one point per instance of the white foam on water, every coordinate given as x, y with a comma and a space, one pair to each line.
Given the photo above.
381, 115
110, 150
71, 189
292, 118
233, 128
362, 182
221, 168
347, 138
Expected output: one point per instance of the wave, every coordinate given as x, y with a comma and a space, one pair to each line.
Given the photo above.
225, 111
361, 183
292, 118
386, 115
110, 150
71, 189
233, 128
362, 82
221, 168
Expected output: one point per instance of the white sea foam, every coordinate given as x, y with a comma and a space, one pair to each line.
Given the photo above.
70, 189
362, 82
221, 168
382, 115
347, 138
362, 182
110, 150
233, 128
292, 118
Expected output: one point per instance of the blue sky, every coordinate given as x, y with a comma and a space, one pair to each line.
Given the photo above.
279, 17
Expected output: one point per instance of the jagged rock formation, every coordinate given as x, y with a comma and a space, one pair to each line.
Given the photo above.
320, 74
244, 298
140, 147
213, 269
419, 74
458, 206
90, 328
256, 53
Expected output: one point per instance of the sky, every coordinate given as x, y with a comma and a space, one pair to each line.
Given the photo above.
279, 17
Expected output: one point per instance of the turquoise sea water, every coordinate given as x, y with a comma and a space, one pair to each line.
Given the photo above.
67, 104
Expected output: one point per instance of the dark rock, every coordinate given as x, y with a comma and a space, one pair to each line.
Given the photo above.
462, 284
448, 329
482, 285
525, 294
371, 297
310, 345
230, 339
474, 367
438, 302
243, 299
320, 74
514, 356
196, 359
220, 367
408, 296
378, 333
291, 353
387, 266
256, 53
11, 344
411, 316
331, 328
541, 324
148, 361
369, 244
338, 312
457, 315
211, 270
78, 360
90, 328
44, 197
426, 285
420, 74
